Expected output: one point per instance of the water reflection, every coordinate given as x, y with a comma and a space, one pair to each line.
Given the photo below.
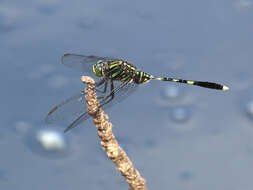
243, 4
57, 81
48, 142
186, 175
51, 140
171, 92
249, 108
22, 127
180, 114
8, 18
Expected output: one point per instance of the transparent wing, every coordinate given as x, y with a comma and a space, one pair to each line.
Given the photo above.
68, 109
83, 63
121, 92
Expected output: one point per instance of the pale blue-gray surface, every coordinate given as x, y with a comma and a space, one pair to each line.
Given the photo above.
182, 138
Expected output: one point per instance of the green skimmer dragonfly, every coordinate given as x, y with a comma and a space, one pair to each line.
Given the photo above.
117, 80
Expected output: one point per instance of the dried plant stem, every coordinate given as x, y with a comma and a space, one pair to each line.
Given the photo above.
108, 140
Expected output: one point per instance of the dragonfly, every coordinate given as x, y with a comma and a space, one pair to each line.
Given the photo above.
116, 80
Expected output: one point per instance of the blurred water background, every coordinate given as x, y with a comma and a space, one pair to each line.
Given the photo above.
178, 136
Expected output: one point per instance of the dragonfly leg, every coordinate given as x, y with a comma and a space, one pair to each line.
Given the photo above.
105, 88
113, 90
97, 84
111, 95
106, 84
100, 82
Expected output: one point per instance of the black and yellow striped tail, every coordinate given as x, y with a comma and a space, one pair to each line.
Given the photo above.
211, 85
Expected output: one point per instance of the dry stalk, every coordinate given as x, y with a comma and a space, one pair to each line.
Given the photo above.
108, 140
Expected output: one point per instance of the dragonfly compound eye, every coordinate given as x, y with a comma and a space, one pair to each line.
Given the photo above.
97, 70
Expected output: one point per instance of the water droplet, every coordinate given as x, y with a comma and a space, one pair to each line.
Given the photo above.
51, 140
180, 114
87, 22
47, 7
22, 127
173, 95
41, 71
186, 175
8, 18
243, 4
144, 14
48, 143
3, 175
149, 143
171, 92
57, 81
249, 108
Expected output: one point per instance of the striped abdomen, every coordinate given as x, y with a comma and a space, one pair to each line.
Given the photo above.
141, 77
123, 71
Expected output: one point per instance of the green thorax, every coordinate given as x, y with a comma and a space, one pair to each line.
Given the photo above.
121, 71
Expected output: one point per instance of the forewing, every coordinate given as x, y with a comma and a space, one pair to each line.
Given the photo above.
121, 92
82, 63
68, 109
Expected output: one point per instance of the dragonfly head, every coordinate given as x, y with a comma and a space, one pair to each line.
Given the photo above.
97, 68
